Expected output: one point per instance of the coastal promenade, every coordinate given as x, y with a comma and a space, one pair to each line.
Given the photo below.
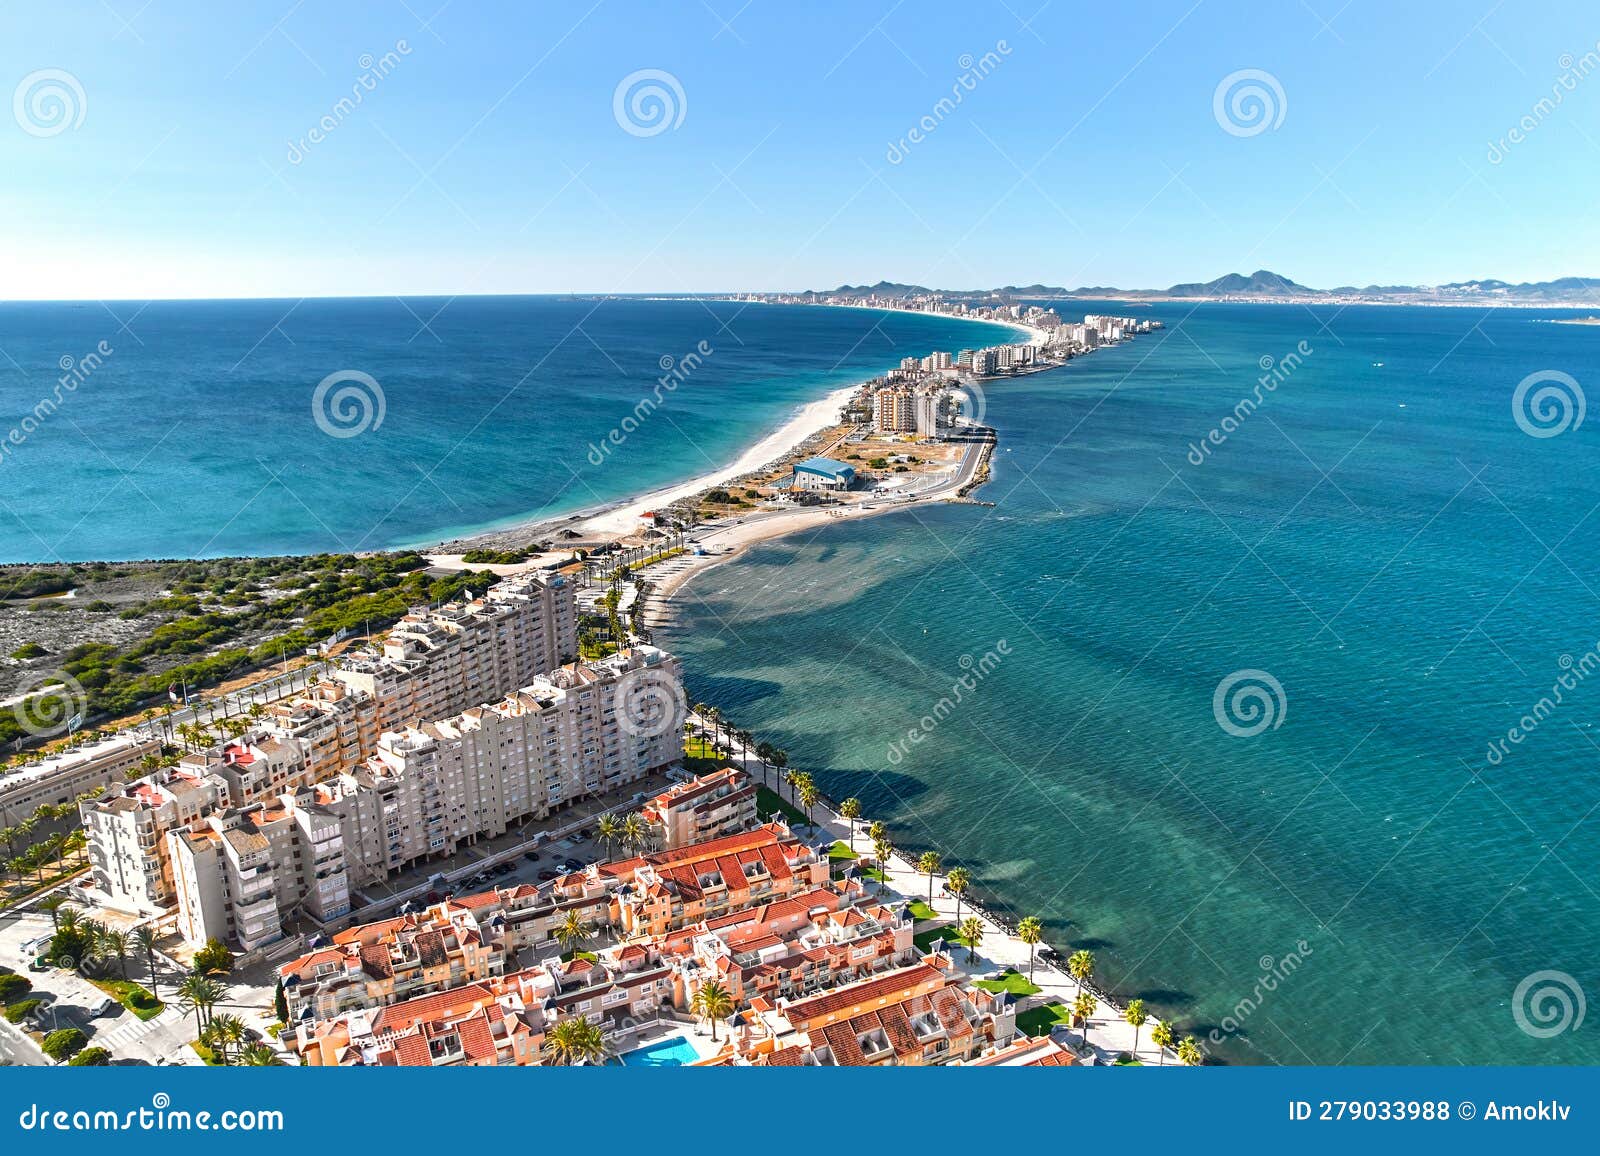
1109, 1034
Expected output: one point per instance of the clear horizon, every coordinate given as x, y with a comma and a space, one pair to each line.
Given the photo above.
387, 148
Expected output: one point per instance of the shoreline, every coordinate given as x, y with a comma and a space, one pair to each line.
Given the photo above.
620, 518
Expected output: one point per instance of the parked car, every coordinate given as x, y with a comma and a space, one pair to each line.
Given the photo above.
531, 856
505, 869
105, 1007
547, 875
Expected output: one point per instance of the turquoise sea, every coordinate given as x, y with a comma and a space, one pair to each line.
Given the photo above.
189, 429
1362, 881
1367, 879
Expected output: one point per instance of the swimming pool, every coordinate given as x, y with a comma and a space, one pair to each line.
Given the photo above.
672, 1052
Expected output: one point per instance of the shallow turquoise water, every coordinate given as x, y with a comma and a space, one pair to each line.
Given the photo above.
1360, 883
193, 431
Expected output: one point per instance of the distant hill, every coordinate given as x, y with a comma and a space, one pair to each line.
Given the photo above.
1265, 285
1261, 283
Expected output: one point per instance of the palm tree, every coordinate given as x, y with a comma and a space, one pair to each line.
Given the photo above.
1080, 965
715, 715
851, 809
929, 863
575, 1040
635, 832
230, 1034
1136, 1016
259, 1056
780, 759
144, 938
1030, 931
199, 994
573, 931
53, 904
116, 943
1083, 1007
808, 797
764, 752
713, 1001
877, 832
957, 883
609, 830
1161, 1037
1189, 1052
971, 934
883, 849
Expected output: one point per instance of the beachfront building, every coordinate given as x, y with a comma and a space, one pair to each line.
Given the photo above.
127, 829
918, 1015
823, 474
893, 411
241, 871
60, 778
241, 837
721, 803
664, 891
811, 941
438, 661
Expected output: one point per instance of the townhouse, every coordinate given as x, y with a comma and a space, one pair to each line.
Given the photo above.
663, 891
721, 803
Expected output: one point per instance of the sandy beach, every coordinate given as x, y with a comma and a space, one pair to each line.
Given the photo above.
622, 518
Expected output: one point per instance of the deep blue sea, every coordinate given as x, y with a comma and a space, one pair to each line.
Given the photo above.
193, 432
1360, 881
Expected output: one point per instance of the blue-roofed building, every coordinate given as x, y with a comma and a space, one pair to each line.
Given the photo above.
823, 474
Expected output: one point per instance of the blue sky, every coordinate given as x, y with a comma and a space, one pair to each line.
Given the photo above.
489, 158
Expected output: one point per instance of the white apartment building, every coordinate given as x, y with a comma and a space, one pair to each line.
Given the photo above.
127, 829
61, 778
239, 872
436, 662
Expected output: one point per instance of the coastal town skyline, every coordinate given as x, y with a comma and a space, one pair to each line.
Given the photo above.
382, 150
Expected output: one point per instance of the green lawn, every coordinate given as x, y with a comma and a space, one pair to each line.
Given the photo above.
205, 1053
1038, 1021
840, 853
947, 933
696, 747
1014, 982
568, 956
131, 996
921, 912
769, 804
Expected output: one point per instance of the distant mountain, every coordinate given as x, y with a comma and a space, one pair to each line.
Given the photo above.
1265, 285
1261, 283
